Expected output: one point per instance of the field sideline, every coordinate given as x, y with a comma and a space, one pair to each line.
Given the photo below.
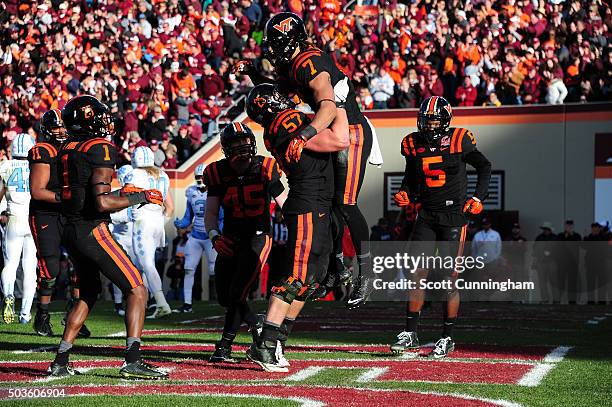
508, 355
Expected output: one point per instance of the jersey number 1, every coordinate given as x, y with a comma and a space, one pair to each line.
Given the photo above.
433, 178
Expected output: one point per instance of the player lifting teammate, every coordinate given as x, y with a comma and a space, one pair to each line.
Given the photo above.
312, 73
307, 212
86, 167
435, 176
46, 220
242, 183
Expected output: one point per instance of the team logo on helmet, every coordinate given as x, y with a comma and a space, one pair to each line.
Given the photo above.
284, 26
88, 111
259, 101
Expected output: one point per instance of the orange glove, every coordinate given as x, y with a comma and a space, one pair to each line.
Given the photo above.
243, 66
401, 199
154, 196
130, 189
294, 150
473, 206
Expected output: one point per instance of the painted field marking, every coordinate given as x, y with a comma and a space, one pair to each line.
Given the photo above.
535, 376
305, 373
371, 374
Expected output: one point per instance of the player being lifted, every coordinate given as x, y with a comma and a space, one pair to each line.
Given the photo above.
307, 212
148, 231
435, 176
198, 241
312, 73
46, 220
18, 242
86, 166
242, 184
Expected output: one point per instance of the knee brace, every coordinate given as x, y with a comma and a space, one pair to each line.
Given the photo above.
288, 290
306, 292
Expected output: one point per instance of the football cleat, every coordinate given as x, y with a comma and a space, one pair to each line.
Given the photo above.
265, 357
405, 341
184, 309
42, 324
57, 370
360, 293
8, 309
257, 328
25, 319
443, 347
141, 370
160, 312
120, 310
280, 355
222, 354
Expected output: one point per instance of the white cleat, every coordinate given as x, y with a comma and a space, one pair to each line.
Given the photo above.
280, 355
160, 312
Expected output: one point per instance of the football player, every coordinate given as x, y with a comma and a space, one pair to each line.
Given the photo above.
435, 176
86, 167
46, 221
312, 73
307, 212
242, 184
123, 227
198, 242
18, 242
149, 221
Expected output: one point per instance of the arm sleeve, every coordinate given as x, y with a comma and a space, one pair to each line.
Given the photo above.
273, 176
483, 168
212, 180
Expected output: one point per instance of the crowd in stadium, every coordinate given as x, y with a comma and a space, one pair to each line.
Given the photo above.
164, 67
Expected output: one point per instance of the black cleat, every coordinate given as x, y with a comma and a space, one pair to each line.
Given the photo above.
141, 370
257, 328
265, 357
222, 354
184, 309
360, 292
57, 370
405, 341
443, 347
42, 324
84, 332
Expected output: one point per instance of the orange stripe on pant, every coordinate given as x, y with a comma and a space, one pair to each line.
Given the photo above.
303, 245
263, 258
353, 171
108, 244
43, 271
461, 244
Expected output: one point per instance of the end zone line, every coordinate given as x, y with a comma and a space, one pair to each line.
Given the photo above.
556, 355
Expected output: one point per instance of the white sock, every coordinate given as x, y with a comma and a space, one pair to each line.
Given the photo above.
188, 285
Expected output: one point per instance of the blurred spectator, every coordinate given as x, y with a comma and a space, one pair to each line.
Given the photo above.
466, 93
544, 262
567, 261
487, 243
381, 88
596, 248
158, 154
381, 232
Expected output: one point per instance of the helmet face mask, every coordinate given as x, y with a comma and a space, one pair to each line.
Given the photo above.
238, 142
265, 102
435, 115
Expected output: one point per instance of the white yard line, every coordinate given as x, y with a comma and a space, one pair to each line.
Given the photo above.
536, 374
556, 355
304, 374
371, 374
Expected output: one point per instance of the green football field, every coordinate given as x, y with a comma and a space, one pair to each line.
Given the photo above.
506, 354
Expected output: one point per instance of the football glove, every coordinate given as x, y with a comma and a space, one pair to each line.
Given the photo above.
223, 245
401, 199
341, 91
243, 66
473, 206
294, 150
154, 196
130, 189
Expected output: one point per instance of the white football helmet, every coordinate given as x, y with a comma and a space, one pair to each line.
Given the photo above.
199, 175
142, 157
123, 172
22, 143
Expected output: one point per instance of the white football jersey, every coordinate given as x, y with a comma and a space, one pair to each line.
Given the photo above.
142, 179
15, 176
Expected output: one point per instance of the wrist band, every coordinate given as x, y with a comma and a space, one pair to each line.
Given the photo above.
213, 233
136, 198
308, 132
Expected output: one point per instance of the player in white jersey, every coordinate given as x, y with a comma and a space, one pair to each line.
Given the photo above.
149, 221
122, 232
18, 242
198, 242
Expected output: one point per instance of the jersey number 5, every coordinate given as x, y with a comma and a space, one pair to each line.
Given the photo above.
433, 178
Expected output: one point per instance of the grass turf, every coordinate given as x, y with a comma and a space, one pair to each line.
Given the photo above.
583, 378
